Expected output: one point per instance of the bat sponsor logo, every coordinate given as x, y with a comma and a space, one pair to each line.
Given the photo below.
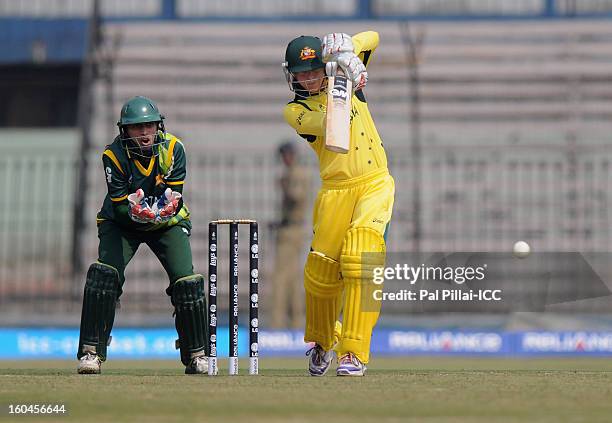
339, 91
339, 94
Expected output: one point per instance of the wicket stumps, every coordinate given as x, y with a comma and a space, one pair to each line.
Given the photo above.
233, 295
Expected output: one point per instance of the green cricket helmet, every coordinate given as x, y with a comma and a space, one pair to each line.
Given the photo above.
303, 54
137, 110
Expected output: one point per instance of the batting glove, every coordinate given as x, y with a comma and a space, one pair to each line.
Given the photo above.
334, 44
331, 68
354, 69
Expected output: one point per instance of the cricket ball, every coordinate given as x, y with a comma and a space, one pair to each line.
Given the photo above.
521, 249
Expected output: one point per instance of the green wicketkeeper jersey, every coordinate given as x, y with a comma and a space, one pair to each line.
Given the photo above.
125, 174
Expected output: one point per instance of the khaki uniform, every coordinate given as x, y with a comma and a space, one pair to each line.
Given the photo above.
288, 295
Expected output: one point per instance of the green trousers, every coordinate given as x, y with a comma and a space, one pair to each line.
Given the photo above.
171, 246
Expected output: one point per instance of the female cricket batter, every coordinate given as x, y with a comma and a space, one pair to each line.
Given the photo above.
145, 170
353, 207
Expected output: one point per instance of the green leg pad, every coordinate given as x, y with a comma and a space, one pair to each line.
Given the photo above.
190, 316
98, 314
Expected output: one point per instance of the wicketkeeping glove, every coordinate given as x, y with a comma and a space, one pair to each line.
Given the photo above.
335, 43
167, 205
138, 209
354, 69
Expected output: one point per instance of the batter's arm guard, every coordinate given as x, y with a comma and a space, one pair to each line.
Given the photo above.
308, 123
190, 317
365, 44
98, 314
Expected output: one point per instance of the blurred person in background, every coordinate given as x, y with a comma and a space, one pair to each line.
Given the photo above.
287, 290
145, 170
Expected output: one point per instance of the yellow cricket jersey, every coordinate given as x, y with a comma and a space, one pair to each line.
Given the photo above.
307, 117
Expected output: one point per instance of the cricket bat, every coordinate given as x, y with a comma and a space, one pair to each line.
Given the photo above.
337, 125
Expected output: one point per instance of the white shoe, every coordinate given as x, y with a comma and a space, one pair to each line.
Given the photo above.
319, 361
197, 366
89, 364
350, 365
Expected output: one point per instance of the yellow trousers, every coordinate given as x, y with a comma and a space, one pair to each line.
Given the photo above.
350, 218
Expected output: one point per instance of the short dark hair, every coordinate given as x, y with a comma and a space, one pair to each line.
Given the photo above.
286, 147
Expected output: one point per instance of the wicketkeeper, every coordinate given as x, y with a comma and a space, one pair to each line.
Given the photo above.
145, 169
353, 208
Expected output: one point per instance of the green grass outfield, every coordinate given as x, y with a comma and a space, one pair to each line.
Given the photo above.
398, 390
